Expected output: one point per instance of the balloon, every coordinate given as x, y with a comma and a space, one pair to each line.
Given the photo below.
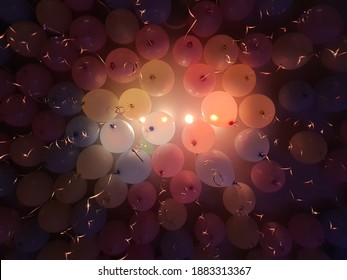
54, 16
158, 128
30, 237
206, 18
239, 199
6, 53
157, 78
215, 169
306, 230
80, 6
308, 147
61, 156
257, 111
312, 254
274, 8
202, 252
140, 252
290, 55
58, 53
199, 80
267, 176
54, 216
122, 65
198, 137
133, 166
100, 105
332, 55
9, 223
242, 232
48, 126
65, 98
342, 132
155, 12
88, 72
121, 26
7, 85
335, 164
69, 188
117, 136
220, 51
252, 144
219, 109
18, 110
185, 187
209, 229
34, 189
57, 249
256, 50
27, 151
88, 217
82, 131
8, 179
167, 160
12, 11
134, 104
94, 162
5, 145
115, 4
114, 238
296, 96
187, 50
275, 239
145, 227
110, 191
317, 30
26, 38
87, 248
177, 245
335, 227
142, 196
239, 80
172, 215
236, 10
152, 42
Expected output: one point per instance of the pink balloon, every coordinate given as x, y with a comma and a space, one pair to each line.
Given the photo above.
267, 176
167, 160
48, 126
5, 144
152, 42
236, 10
34, 80
185, 186
187, 50
18, 110
80, 6
209, 229
142, 196
9, 223
88, 33
7, 87
89, 73
145, 227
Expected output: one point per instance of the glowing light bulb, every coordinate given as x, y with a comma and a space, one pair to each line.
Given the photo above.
164, 119
214, 118
189, 118
142, 119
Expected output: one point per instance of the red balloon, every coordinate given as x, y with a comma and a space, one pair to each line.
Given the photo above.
185, 186
142, 196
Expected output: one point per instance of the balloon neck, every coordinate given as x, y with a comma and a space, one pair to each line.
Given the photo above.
190, 44
194, 142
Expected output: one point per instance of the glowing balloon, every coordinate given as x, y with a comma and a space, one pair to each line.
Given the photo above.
219, 109
209, 229
185, 186
35, 189
236, 10
70, 188
252, 145
332, 55
199, 80
48, 126
8, 179
94, 162
187, 50
133, 166
239, 199
257, 111
117, 136
9, 223
290, 55
158, 128
122, 65
172, 214
142, 196
242, 232
110, 191
308, 147
152, 42
121, 26
267, 176
215, 169
145, 226
296, 96
221, 51
198, 137
177, 245
157, 77
100, 105
167, 160
155, 12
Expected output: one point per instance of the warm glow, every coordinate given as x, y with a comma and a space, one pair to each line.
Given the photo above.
214, 118
189, 118
142, 119
164, 119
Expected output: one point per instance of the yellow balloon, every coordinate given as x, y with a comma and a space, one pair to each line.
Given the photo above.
172, 215
157, 77
70, 188
100, 105
134, 104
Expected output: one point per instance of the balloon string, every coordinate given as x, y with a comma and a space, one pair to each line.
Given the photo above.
136, 153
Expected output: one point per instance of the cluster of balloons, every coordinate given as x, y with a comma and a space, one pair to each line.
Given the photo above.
95, 161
